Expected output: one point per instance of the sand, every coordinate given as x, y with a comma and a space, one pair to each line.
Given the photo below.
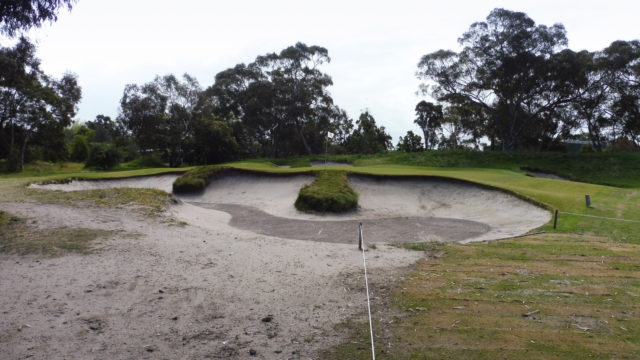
206, 290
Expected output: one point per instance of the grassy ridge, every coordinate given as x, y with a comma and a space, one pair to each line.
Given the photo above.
329, 192
614, 169
195, 179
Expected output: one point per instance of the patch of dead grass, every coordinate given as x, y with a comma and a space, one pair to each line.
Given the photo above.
18, 237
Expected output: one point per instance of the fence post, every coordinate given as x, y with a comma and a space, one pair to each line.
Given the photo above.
555, 220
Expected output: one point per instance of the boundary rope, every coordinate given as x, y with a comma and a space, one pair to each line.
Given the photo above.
366, 281
598, 217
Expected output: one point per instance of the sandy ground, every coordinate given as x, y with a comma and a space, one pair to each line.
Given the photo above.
226, 284
191, 292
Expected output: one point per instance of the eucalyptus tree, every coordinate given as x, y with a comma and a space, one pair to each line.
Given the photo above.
281, 100
508, 66
159, 114
368, 137
31, 102
16, 15
410, 142
622, 59
429, 118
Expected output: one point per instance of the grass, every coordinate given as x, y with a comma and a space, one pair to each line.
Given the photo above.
329, 192
150, 202
19, 237
581, 294
614, 169
195, 179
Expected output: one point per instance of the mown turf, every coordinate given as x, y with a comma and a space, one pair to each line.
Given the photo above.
608, 168
541, 297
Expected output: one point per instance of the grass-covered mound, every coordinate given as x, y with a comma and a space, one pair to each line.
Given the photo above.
196, 179
330, 192
607, 168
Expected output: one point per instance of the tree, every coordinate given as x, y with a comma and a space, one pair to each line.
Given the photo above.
623, 61
429, 118
281, 100
368, 138
16, 15
104, 129
159, 114
32, 103
410, 142
79, 148
213, 142
510, 68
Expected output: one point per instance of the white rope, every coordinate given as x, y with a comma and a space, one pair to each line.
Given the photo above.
599, 217
364, 259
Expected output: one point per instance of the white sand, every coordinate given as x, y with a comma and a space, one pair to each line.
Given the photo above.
506, 214
160, 182
184, 293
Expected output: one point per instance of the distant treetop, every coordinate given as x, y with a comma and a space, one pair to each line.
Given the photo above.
17, 15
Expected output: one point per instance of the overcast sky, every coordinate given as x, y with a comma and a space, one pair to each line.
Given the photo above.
374, 45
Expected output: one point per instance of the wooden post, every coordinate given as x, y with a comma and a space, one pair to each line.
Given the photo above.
555, 220
587, 198
360, 237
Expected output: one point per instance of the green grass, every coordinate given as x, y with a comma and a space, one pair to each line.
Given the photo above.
195, 179
329, 192
19, 237
615, 169
469, 303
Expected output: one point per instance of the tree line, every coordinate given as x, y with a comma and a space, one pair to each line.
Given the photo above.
514, 85
517, 86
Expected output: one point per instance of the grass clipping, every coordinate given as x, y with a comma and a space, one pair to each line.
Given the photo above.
330, 192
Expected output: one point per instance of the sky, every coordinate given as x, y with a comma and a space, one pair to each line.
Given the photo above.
374, 46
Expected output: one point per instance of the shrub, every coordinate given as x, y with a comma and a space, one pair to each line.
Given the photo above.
79, 148
103, 156
329, 192
196, 179
146, 161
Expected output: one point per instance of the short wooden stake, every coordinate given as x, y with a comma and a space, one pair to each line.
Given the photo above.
360, 237
587, 198
555, 220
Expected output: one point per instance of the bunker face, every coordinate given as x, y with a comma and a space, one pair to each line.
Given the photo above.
160, 182
505, 214
392, 210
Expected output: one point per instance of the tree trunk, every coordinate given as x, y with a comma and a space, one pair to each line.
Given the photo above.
304, 141
22, 151
426, 139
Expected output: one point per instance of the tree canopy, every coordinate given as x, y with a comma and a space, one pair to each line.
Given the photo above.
16, 15
33, 105
521, 88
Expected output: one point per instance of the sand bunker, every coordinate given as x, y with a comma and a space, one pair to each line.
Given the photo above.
160, 182
392, 209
